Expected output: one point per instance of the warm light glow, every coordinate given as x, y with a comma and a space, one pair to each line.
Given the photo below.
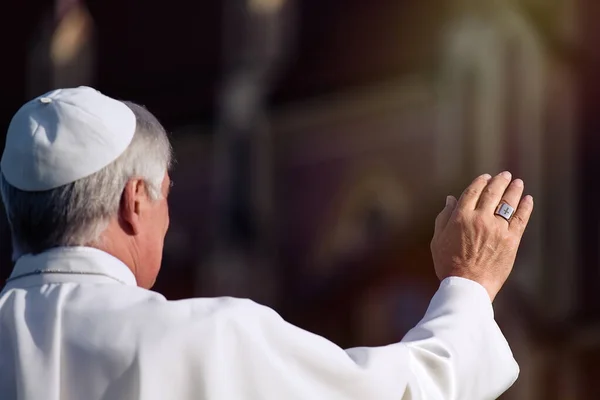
70, 36
265, 6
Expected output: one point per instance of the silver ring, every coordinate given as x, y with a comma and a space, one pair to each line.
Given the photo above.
505, 211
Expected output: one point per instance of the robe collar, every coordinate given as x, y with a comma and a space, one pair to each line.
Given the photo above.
65, 262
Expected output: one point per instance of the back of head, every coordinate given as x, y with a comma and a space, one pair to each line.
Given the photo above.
69, 155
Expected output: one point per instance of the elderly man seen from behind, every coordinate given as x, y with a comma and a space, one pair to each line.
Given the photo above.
84, 180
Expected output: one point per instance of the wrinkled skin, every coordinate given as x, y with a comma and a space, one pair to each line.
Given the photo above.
471, 242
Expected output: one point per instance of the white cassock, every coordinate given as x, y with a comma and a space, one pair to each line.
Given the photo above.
82, 329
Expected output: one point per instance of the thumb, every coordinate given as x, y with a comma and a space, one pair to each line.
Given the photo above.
442, 219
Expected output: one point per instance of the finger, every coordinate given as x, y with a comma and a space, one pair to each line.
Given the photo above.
493, 192
442, 219
520, 219
512, 195
468, 199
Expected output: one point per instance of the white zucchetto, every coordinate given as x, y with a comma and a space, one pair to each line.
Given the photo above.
63, 136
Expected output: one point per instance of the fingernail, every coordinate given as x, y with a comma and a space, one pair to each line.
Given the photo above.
506, 175
518, 183
448, 200
486, 176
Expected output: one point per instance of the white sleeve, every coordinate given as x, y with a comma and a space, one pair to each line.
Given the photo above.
456, 352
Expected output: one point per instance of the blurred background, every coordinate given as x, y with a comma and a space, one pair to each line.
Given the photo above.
316, 142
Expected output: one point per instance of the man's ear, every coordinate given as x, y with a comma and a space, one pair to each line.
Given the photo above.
132, 200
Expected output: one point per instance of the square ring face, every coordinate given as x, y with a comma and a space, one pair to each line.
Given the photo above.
505, 211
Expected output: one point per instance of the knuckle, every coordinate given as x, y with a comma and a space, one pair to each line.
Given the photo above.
471, 192
506, 236
511, 241
479, 221
517, 218
461, 218
490, 192
518, 222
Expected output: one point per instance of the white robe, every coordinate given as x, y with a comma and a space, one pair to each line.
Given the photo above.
92, 334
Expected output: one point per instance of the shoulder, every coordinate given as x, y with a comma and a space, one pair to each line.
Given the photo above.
218, 307
207, 325
202, 313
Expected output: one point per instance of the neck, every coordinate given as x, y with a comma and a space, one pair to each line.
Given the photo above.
119, 245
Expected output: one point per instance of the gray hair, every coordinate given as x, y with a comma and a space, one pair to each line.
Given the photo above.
76, 214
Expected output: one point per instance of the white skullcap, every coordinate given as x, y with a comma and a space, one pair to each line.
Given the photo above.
63, 136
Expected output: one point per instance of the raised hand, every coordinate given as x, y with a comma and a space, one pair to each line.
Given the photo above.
473, 242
